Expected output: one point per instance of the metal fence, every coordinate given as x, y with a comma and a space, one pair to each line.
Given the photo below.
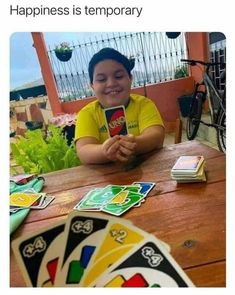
157, 59
218, 54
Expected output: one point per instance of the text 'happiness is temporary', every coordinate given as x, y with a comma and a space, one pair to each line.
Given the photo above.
35, 11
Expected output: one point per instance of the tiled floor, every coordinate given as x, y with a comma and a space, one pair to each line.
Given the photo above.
169, 139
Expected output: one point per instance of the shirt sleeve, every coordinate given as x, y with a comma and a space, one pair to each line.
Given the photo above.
86, 125
149, 115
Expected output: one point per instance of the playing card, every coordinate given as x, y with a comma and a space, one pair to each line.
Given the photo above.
37, 255
146, 265
46, 200
119, 208
116, 121
22, 178
96, 199
24, 199
120, 238
145, 187
84, 233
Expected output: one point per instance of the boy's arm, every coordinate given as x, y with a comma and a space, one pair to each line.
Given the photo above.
151, 138
90, 151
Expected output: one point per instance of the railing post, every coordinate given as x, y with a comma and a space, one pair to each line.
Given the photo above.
47, 73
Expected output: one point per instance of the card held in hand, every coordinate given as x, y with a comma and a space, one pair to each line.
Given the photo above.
37, 255
116, 121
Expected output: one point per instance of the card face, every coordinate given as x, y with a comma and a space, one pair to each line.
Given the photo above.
23, 199
38, 254
120, 238
145, 187
44, 202
116, 121
96, 199
146, 265
186, 163
119, 208
84, 233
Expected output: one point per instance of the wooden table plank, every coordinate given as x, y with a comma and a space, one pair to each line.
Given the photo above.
211, 275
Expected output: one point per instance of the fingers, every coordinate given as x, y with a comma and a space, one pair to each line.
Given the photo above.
110, 148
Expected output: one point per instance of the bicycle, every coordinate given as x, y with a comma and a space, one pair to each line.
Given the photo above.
217, 104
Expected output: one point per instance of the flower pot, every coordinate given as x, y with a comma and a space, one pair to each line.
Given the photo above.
63, 56
172, 35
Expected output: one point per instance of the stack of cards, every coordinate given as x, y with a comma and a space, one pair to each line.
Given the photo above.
94, 250
115, 199
189, 169
30, 200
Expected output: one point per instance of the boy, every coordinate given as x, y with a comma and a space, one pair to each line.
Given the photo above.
110, 78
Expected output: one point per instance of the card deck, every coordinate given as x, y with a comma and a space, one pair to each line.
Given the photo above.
116, 121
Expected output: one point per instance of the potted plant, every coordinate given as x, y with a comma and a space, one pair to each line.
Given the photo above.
63, 51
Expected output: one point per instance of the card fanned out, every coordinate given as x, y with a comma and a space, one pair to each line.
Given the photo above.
95, 250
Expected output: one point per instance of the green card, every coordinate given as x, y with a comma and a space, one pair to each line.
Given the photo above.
118, 209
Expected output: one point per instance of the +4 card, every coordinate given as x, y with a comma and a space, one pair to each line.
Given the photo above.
83, 234
116, 121
146, 265
37, 255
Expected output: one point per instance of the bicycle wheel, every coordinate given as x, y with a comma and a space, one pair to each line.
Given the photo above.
221, 133
194, 116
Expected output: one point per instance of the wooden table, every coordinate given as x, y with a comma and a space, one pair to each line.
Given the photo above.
189, 217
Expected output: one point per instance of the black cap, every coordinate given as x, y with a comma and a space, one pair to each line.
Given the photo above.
110, 53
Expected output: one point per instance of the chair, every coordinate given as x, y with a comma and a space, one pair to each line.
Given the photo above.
174, 127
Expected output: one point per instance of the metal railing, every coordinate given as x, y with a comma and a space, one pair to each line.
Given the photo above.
157, 59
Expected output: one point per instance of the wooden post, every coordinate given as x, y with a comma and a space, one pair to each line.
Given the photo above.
47, 73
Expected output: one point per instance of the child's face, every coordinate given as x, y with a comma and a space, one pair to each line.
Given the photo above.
111, 83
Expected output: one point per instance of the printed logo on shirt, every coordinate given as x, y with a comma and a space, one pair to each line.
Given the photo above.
133, 125
103, 129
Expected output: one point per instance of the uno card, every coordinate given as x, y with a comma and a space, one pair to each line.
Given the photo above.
145, 187
84, 233
46, 200
120, 238
37, 255
119, 208
23, 199
22, 178
96, 199
148, 264
116, 121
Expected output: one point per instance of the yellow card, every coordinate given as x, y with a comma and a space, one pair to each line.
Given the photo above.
119, 240
23, 199
119, 198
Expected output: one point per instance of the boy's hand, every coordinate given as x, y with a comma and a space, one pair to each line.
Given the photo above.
110, 147
127, 147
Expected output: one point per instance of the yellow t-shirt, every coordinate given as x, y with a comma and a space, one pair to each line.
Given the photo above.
141, 113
